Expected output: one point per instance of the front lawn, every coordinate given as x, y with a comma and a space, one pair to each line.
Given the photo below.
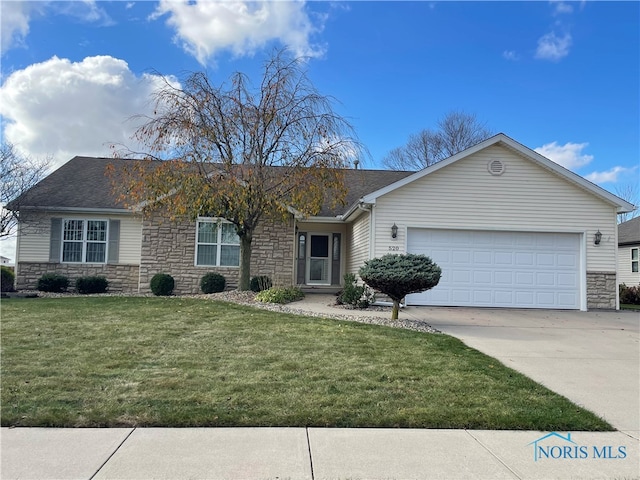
123, 361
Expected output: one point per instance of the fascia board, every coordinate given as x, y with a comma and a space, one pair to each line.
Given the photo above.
119, 211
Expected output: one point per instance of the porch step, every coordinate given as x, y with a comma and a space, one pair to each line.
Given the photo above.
327, 290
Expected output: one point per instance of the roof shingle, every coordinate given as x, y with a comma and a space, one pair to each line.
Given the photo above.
83, 183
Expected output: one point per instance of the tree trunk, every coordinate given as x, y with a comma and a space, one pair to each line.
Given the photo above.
396, 308
244, 282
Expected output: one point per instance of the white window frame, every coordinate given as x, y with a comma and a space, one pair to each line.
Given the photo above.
218, 244
84, 241
635, 260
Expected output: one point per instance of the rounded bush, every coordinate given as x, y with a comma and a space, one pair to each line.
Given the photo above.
260, 283
91, 285
280, 295
52, 282
7, 278
162, 284
212, 283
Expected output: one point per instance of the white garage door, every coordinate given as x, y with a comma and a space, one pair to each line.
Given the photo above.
500, 269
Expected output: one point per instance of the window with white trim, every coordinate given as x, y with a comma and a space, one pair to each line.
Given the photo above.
634, 260
217, 244
84, 241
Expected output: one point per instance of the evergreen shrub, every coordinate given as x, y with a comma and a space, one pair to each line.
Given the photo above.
53, 283
162, 284
93, 284
212, 283
7, 278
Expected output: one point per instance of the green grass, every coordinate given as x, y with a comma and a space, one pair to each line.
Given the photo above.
110, 361
629, 306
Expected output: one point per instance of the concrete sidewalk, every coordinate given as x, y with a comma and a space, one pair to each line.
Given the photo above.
313, 453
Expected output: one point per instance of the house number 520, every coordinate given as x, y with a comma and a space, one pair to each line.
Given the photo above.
394, 248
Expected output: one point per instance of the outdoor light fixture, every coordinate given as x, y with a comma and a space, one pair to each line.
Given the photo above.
394, 231
598, 237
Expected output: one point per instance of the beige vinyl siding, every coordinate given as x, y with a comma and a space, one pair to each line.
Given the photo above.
130, 239
625, 275
358, 247
526, 197
36, 233
33, 237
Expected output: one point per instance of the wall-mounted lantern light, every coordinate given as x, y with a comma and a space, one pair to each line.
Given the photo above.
394, 231
598, 237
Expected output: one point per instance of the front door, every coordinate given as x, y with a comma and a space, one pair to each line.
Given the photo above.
318, 260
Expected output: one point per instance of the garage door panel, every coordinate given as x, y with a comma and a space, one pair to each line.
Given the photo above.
482, 257
459, 277
524, 259
545, 260
462, 257
524, 278
507, 269
568, 280
567, 300
503, 278
482, 277
567, 260
545, 279
503, 298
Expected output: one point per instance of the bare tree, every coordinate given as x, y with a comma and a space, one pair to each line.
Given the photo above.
243, 153
18, 173
456, 131
628, 192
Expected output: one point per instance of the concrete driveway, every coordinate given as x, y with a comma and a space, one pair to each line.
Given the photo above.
592, 358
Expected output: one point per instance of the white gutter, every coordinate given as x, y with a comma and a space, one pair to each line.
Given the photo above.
81, 209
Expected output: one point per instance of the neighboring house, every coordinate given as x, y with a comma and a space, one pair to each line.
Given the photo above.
5, 261
509, 228
629, 252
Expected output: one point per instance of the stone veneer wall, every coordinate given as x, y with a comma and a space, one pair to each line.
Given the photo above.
122, 278
169, 247
601, 290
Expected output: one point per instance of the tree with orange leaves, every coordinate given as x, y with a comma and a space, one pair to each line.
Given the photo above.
242, 153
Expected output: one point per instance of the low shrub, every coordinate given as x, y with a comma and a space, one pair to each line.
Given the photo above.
162, 284
629, 295
53, 282
93, 284
7, 278
358, 296
280, 295
212, 283
260, 283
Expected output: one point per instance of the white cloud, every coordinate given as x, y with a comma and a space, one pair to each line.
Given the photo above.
61, 109
552, 47
206, 28
510, 55
609, 176
568, 155
14, 23
84, 10
561, 7
15, 17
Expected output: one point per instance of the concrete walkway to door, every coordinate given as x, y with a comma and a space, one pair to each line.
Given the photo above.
592, 358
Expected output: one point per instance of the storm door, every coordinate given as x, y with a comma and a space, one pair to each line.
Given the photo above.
319, 260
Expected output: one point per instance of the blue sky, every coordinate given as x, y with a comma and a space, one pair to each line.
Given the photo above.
559, 77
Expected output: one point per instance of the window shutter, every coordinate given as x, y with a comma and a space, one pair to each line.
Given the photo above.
55, 243
114, 241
